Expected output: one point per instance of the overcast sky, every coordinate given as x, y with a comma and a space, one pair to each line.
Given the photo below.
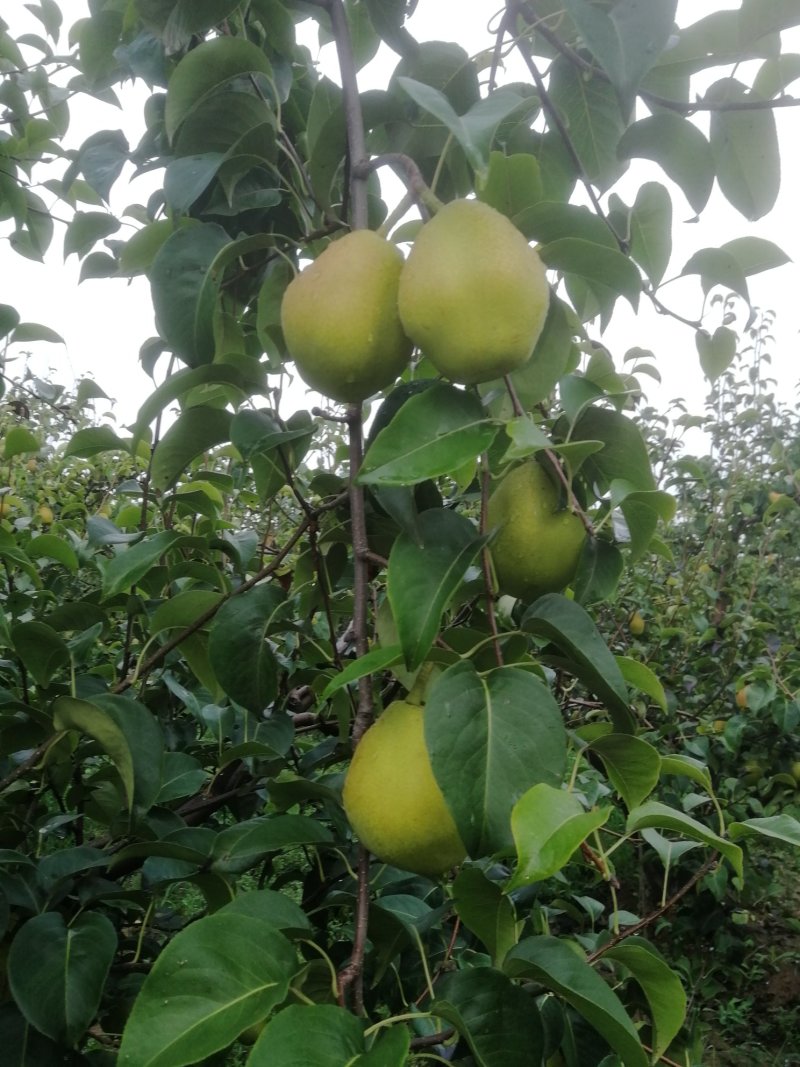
104, 322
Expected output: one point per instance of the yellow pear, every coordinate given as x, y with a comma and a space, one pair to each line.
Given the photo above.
636, 624
340, 320
392, 800
538, 545
45, 514
473, 293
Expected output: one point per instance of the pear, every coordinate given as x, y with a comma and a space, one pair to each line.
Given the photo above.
340, 321
473, 293
392, 799
538, 545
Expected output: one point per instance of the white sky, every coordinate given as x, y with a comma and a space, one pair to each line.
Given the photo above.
104, 322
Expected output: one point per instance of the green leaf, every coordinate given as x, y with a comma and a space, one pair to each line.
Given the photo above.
240, 847
627, 41
57, 973
625, 453
132, 564
663, 817
568, 626
379, 659
632, 765
241, 655
323, 1035
590, 110
475, 130
490, 738
93, 440
9, 319
717, 352
679, 148
183, 609
536, 379
498, 1020
85, 229
780, 827
43, 651
18, 441
595, 263
560, 968
277, 909
689, 767
745, 148
755, 254
184, 287
651, 230
641, 677
548, 825
196, 430
50, 546
660, 985
434, 432
486, 911
717, 267
180, 384
512, 186
775, 74
599, 571
207, 69
214, 979
423, 576
127, 732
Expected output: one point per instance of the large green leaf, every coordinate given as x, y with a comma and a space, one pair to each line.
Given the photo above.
651, 230
590, 110
717, 351
43, 651
423, 576
627, 40
127, 732
660, 985
658, 815
207, 69
497, 1019
215, 979
595, 263
184, 289
490, 738
559, 967
131, 564
238, 848
679, 148
625, 453
744, 144
486, 911
194, 432
549, 825
632, 765
434, 432
179, 384
782, 827
568, 626
241, 655
57, 972
323, 1035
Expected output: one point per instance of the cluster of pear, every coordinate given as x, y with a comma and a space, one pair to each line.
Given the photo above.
472, 296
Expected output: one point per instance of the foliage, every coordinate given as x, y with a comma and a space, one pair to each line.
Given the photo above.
228, 591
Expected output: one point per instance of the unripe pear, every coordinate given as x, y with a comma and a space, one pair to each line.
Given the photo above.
473, 293
636, 624
538, 545
392, 799
340, 320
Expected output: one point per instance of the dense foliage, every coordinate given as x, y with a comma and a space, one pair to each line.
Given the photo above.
201, 614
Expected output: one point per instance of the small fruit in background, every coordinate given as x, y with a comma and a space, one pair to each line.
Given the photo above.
393, 801
538, 544
45, 514
340, 320
741, 697
794, 770
775, 496
8, 503
636, 624
473, 293
719, 725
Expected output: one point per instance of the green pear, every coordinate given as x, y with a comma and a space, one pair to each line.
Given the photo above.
392, 799
473, 293
538, 545
340, 321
